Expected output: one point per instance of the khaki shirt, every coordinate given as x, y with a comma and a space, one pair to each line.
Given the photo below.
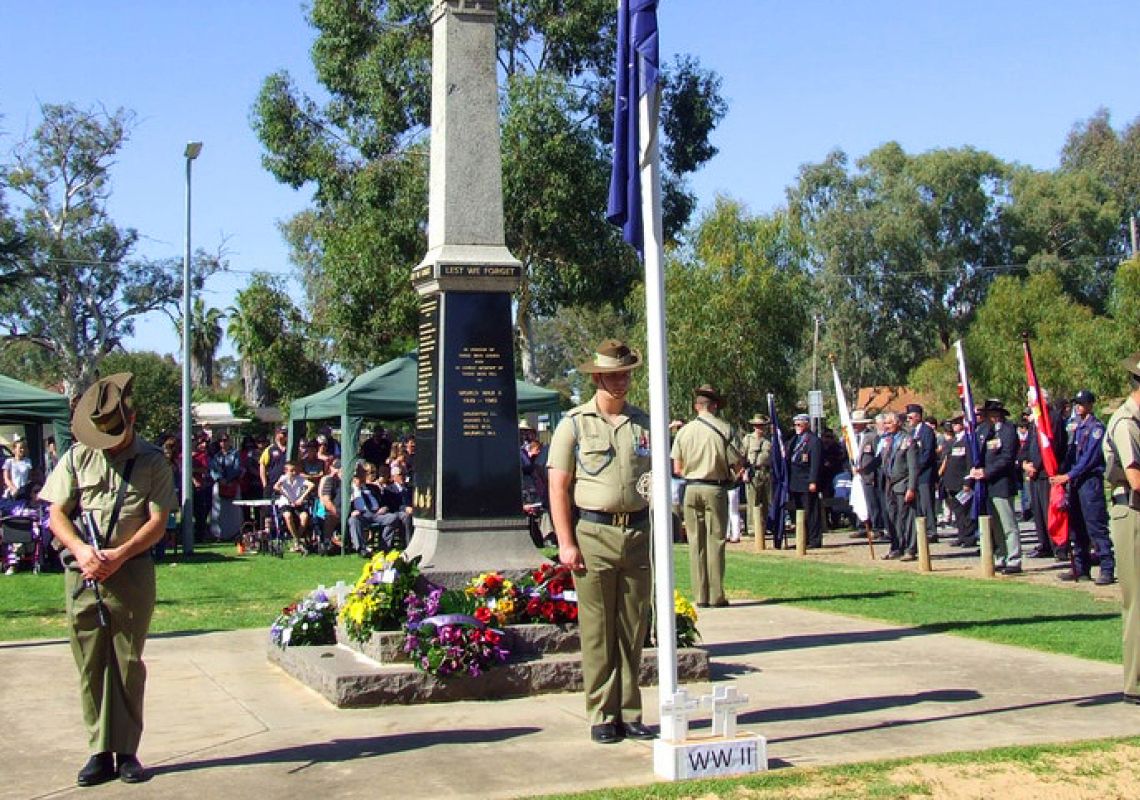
758, 453
605, 461
89, 477
705, 455
1121, 445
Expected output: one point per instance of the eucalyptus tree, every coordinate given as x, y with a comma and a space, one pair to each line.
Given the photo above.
363, 152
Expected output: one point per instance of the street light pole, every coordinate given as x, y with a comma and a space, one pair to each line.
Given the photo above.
191, 153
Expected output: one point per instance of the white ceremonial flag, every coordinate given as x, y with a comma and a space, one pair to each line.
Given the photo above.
858, 498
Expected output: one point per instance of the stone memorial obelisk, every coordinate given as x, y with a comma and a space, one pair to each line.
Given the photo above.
468, 493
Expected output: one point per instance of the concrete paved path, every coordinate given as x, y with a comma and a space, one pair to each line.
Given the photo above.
222, 722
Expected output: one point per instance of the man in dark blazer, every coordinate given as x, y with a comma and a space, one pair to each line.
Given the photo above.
999, 469
926, 459
805, 455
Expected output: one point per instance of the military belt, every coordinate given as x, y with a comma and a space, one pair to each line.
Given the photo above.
709, 483
622, 519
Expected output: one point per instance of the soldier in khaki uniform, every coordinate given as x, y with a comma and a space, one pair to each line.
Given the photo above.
758, 462
707, 453
109, 617
1122, 460
599, 452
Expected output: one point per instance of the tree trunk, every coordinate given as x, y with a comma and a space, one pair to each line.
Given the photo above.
254, 389
526, 343
197, 374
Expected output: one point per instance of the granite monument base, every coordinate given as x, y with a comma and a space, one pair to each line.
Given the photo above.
349, 679
454, 550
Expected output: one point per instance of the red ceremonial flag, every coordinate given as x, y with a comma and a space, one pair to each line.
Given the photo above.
1058, 505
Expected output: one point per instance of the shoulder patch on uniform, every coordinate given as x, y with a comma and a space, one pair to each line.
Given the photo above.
1096, 434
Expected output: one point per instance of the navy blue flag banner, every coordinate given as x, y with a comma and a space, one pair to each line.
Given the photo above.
779, 475
970, 422
637, 67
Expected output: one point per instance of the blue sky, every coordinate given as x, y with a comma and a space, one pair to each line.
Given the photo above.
1010, 77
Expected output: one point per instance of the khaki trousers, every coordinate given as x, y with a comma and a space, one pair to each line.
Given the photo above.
706, 523
112, 675
759, 497
613, 613
1124, 525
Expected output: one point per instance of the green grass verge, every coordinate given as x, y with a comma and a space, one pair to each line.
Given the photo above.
1007, 611
874, 779
213, 589
216, 589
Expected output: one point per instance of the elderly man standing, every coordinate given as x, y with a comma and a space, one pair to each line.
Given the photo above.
599, 453
758, 464
1121, 451
707, 454
805, 456
866, 464
1001, 472
125, 487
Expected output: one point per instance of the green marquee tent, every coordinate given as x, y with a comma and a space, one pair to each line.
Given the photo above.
33, 408
386, 392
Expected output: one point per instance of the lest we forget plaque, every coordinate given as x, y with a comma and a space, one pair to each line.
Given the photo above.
466, 428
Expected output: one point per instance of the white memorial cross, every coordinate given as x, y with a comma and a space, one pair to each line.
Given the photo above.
678, 708
725, 702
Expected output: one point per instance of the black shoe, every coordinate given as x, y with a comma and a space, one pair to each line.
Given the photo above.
1011, 570
932, 539
130, 770
606, 733
1072, 577
908, 557
100, 768
1134, 699
892, 554
635, 730
1105, 578
702, 605
720, 604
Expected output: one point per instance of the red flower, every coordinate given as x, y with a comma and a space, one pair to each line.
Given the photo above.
493, 582
557, 586
571, 612
483, 614
491, 636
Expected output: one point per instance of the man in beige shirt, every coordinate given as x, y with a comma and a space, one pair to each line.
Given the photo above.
599, 453
1122, 471
758, 462
126, 487
707, 453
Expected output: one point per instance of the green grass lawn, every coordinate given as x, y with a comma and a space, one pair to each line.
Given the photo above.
216, 589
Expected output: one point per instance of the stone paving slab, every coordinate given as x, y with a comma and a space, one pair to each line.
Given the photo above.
823, 688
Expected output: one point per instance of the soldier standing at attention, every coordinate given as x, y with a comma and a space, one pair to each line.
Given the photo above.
758, 463
707, 453
1122, 456
599, 452
126, 485
1088, 513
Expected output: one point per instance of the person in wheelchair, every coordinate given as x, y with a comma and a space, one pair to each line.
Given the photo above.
293, 495
369, 512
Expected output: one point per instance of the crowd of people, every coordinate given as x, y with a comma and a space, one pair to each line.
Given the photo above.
305, 487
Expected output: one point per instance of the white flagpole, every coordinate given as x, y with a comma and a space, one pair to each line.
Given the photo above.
650, 211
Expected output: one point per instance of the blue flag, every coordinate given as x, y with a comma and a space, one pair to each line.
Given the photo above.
779, 476
637, 67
